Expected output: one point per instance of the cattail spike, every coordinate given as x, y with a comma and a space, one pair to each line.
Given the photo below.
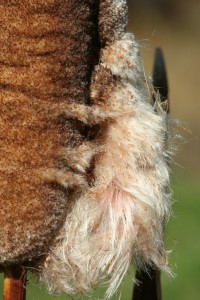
149, 282
160, 81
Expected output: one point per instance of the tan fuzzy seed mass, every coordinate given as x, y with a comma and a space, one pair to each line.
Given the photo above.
120, 218
84, 157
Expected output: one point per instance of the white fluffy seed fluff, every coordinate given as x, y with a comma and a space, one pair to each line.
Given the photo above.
120, 218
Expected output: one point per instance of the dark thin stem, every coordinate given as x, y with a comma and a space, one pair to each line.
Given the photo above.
149, 284
149, 287
14, 283
160, 82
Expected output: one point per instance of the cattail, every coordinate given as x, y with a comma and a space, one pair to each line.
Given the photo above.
83, 165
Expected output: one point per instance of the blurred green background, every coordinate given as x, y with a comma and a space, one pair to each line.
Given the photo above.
173, 25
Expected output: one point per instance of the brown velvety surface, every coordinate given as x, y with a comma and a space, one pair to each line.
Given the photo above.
46, 58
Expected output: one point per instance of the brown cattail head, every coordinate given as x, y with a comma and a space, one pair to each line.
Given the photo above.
47, 53
83, 166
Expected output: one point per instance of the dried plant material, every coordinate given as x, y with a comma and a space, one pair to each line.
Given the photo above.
84, 164
42, 67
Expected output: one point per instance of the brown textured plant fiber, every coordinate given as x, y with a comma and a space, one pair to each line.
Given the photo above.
46, 60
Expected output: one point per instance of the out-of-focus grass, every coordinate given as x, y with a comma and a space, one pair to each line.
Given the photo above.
182, 237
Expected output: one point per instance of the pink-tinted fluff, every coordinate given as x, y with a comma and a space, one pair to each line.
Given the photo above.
119, 217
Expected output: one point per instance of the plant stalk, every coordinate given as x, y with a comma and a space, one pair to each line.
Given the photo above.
15, 278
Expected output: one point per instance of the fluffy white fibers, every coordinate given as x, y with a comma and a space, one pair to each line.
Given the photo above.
120, 217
